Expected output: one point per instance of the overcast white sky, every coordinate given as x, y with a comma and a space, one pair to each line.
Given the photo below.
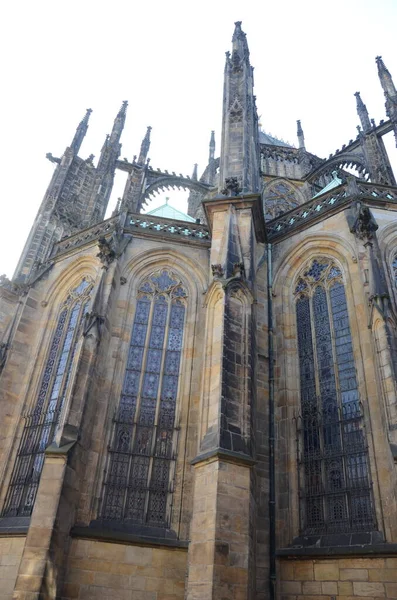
166, 58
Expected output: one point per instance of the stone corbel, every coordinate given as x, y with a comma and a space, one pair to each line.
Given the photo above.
217, 271
111, 249
93, 319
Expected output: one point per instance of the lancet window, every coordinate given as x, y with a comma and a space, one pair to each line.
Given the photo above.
334, 474
141, 462
41, 423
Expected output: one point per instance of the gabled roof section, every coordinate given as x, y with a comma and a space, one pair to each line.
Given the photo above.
266, 138
335, 181
169, 212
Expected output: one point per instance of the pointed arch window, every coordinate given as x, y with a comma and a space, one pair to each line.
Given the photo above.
41, 424
334, 473
141, 462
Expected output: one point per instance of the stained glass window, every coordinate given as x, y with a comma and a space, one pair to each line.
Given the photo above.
41, 424
335, 482
141, 462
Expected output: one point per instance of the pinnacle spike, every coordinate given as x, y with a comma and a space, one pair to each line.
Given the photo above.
80, 132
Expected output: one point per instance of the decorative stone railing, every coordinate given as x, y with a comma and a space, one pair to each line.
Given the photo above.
84, 237
156, 225
317, 208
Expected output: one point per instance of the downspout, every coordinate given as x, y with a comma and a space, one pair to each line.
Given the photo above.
272, 490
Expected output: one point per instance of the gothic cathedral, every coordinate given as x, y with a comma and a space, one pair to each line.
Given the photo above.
204, 405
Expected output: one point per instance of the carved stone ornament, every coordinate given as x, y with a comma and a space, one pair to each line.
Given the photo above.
217, 271
12, 286
232, 187
106, 252
238, 270
123, 280
91, 319
362, 222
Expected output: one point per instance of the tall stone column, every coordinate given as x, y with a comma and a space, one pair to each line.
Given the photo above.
221, 552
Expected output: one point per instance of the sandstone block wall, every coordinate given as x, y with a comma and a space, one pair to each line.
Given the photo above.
343, 579
123, 572
10, 556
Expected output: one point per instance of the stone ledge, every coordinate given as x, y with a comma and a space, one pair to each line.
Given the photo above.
121, 537
375, 550
14, 526
226, 455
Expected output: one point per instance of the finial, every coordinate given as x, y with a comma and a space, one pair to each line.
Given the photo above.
145, 146
166, 199
301, 137
385, 79
362, 113
123, 108
212, 147
194, 175
81, 131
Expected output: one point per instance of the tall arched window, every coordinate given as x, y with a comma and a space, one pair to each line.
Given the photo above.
138, 483
41, 423
335, 482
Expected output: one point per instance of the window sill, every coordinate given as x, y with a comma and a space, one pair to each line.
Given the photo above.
139, 536
339, 545
14, 526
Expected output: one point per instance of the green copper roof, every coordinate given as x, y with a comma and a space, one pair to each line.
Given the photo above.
169, 212
335, 181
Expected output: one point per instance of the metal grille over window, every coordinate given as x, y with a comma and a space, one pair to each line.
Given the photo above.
141, 465
41, 424
334, 475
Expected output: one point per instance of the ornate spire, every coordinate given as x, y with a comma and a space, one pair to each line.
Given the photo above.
301, 137
119, 122
362, 113
240, 49
385, 78
80, 132
239, 159
145, 147
194, 174
390, 93
212, 147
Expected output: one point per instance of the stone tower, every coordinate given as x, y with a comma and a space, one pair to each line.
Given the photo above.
204, 405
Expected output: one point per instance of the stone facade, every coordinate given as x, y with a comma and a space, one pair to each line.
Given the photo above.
157, 439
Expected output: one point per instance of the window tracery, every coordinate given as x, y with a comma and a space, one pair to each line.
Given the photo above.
335, 482
279, 198
138, 484
41, 424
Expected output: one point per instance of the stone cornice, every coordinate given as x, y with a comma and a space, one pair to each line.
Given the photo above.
240, 202
225, 455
